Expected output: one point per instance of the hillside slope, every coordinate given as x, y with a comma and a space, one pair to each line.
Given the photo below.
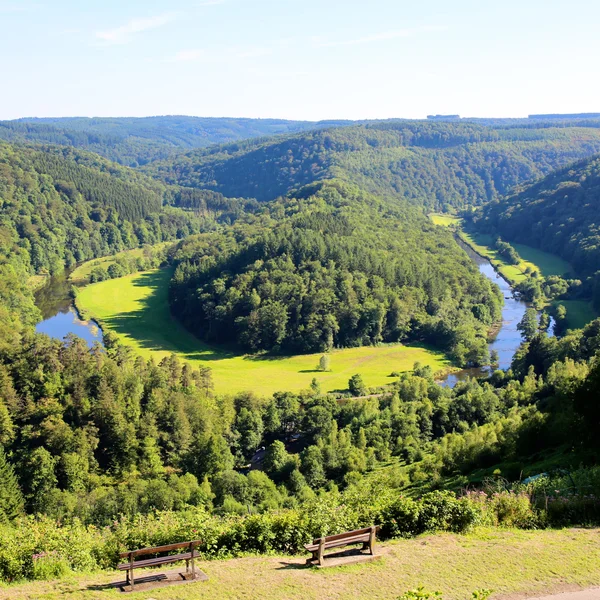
559, 214
437, 165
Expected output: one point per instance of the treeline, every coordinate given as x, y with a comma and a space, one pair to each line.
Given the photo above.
436, 165
338, 269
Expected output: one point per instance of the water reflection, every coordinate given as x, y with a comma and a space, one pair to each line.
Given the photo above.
508, 338
59, 315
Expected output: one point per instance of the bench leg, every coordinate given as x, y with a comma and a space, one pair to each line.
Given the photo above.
372, 541
187, 566
131, 579
321, 550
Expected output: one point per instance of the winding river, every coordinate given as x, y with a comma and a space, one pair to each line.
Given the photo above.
61, 318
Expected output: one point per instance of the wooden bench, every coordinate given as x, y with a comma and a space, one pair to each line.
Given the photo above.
365, 536
159, 560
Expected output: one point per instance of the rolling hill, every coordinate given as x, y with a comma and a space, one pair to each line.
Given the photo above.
438, 165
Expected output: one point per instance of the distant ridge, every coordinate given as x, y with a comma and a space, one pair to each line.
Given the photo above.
566, 116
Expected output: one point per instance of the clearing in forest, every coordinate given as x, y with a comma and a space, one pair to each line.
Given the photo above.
136, 309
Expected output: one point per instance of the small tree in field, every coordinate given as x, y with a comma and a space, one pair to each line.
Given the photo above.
324, 363
357, 386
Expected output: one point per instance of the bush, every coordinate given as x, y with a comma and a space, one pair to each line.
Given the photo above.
401, 518
443, 511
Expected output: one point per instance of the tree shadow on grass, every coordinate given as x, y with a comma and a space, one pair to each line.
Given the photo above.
153, 327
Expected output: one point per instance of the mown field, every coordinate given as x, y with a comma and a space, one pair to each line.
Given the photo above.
136, 309
444, 219
512, 563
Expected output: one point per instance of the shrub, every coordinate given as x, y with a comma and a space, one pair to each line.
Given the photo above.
401, 518
443, 511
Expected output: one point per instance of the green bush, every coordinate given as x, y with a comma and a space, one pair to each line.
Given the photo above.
443, 511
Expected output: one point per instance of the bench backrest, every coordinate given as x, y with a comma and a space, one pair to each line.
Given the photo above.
347, 534
159, 549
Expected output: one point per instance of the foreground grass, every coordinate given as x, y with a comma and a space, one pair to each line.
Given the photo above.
136, 309
509, 562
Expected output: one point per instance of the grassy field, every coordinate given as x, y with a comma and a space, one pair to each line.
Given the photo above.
543, 262
547, 264
82, 273
136, 309
579, 313
509, 562
444, 220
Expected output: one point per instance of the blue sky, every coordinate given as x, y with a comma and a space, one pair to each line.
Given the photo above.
298, 59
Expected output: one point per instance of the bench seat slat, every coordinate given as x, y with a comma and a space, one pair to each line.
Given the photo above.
347, 534
358, 539
158, 549
149, 562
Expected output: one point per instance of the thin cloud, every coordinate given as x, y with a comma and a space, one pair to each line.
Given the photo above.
125, 33
188, 56
222, 55
380, 37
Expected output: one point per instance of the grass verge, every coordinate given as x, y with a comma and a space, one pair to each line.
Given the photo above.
136, 309
512, 563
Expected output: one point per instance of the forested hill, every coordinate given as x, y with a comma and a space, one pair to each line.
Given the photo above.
559, 214
338, 267
133, 141
435, 164
59, 206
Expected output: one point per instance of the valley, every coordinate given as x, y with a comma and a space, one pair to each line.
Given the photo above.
299, 353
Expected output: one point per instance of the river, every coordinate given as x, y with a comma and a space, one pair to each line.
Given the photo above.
508, 339
59, 313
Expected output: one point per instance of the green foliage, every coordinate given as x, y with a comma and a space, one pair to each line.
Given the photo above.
11, 498
325, 363
436, 165
357, 386
362, 273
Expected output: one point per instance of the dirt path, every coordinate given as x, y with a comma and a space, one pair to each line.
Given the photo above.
590, 594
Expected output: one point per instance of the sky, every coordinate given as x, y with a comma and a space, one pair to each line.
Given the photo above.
298, 59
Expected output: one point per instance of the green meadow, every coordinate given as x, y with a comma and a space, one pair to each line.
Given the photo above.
444, 220
136, 309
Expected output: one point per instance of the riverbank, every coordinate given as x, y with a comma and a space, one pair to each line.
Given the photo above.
579, 312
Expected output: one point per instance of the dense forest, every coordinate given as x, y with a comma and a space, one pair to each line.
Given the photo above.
340, 268
432, 164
